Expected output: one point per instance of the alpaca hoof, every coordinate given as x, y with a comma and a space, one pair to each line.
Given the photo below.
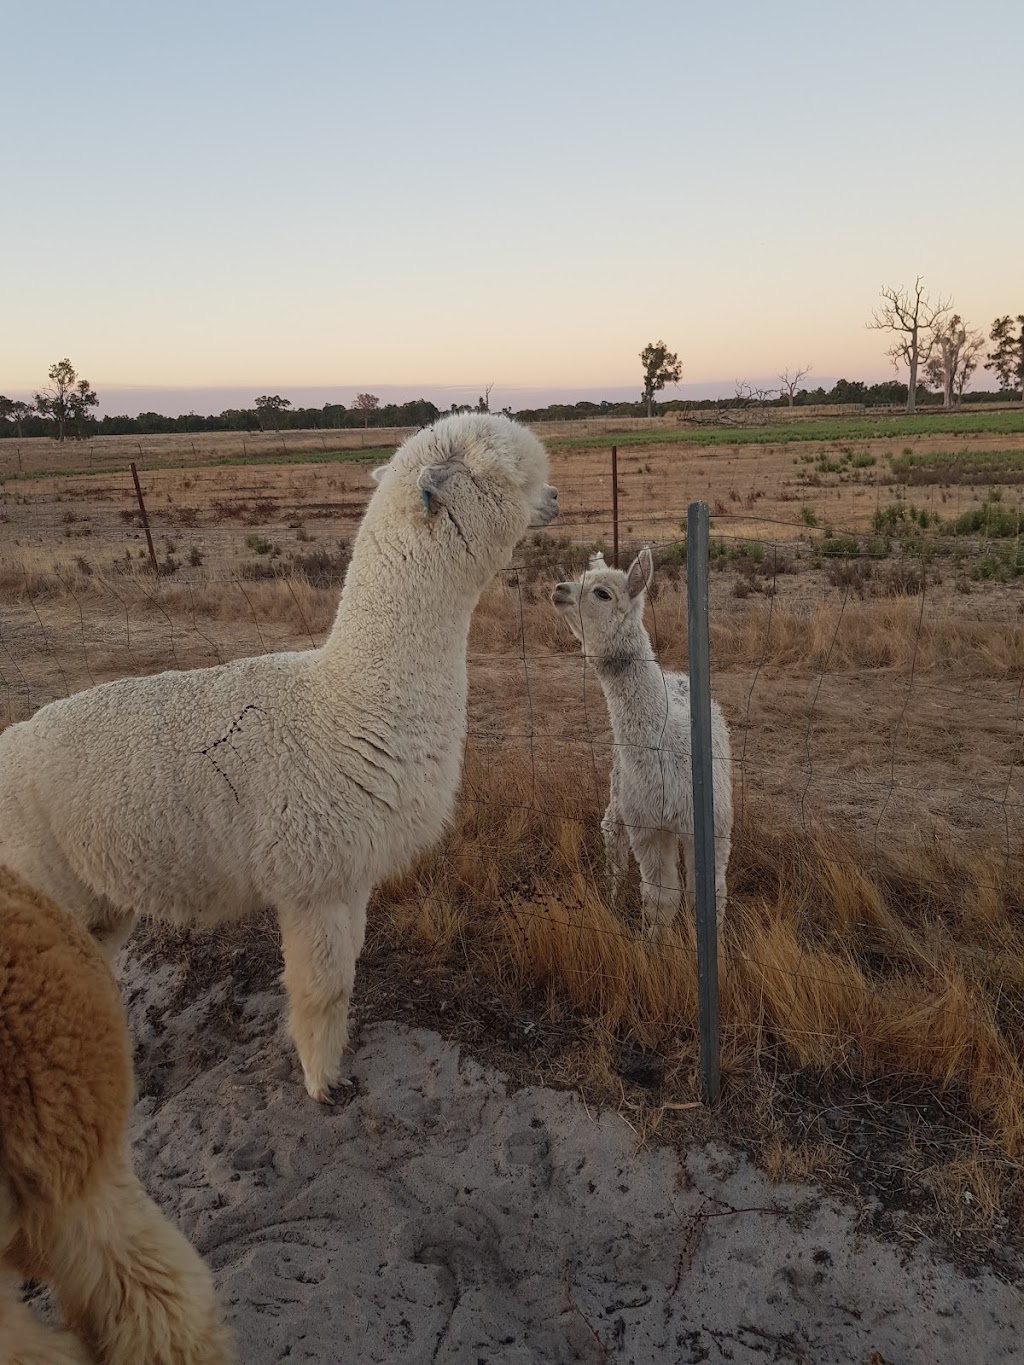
326, 1094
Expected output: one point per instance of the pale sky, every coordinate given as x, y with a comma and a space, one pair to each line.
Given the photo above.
411, 195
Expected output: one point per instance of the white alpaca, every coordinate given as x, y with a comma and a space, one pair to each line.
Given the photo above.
651, 802
294, 780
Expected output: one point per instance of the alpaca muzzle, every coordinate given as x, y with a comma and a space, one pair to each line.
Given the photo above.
545, 513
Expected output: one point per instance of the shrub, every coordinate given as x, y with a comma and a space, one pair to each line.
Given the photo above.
321, 568
990, 519
901, 517
905, 578
839, 547
852, 575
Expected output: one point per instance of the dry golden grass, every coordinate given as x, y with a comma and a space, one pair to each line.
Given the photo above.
182, 449
833, 959
876, 931
893, 634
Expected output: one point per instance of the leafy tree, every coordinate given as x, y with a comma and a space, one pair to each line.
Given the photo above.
1007, 357
912, 317
365, 403
661, 367
269, 407
954, 358
847, 391
67, 400
790, 381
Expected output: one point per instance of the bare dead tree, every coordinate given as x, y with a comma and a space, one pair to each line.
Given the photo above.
913, 319
954, 358
790, 381
750, 396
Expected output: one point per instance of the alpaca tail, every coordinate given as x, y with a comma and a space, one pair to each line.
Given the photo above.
131, 1285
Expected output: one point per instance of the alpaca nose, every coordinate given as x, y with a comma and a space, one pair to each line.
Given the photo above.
562, 594
545, 514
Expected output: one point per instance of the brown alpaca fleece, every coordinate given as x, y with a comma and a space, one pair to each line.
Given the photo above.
65, 1059
72, 1212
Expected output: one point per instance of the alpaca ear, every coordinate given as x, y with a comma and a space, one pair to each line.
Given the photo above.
641, 572
377, 474
433, 481
597, 560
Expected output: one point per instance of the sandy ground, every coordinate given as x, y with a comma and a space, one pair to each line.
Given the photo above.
431, 1215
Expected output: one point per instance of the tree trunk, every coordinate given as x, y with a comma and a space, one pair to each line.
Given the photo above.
649, 400
790, 397
912, 391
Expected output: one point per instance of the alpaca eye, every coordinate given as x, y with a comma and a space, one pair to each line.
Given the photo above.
604, 595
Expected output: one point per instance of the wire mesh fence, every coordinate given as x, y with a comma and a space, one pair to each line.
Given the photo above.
870, 669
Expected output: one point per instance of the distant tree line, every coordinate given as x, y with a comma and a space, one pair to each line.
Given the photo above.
72, 418
421, 412
929, 340
890, 393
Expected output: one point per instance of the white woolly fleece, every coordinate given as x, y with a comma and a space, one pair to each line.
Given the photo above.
295, 780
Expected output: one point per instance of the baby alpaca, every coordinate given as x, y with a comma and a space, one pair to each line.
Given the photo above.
295, 780
72, 1213
651, 803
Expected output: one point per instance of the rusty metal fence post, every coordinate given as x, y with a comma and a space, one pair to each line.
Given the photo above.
615, 506
145, 519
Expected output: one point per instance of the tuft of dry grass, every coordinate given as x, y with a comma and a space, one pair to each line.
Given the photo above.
895, 634
837, 962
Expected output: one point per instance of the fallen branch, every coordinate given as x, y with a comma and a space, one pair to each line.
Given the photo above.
695, 1231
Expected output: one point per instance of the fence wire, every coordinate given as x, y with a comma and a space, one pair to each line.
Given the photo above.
870, 667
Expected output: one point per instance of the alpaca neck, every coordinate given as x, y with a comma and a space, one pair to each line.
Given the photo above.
633, 683
397, 632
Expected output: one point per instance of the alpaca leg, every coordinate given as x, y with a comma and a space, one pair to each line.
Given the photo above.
320, 949
723, 847
657, 852
721, 863
113, 934
130, 1284
690, 861
616, 847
